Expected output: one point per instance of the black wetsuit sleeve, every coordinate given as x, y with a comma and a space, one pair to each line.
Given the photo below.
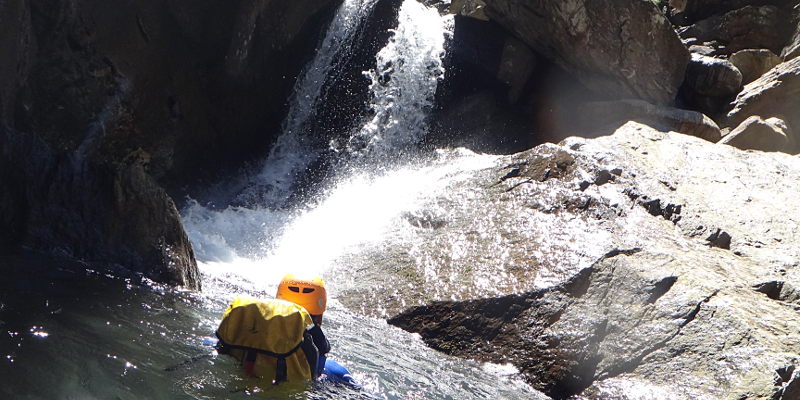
320, 340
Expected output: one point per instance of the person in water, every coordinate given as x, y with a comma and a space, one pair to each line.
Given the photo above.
310, 293
282, 338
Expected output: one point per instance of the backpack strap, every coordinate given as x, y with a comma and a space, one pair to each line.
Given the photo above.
312, 354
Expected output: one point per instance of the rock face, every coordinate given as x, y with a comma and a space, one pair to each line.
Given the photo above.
112, 102
749, 27
578, 36
642, 259
775, 94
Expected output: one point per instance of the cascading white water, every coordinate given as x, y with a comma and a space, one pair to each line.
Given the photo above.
292, 153
403, 84
250, 248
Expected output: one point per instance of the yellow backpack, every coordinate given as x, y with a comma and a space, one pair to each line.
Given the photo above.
271, 338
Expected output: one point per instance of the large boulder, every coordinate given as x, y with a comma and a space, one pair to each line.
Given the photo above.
695, 10
775, 94
628, 50
598, 114
642, 259
709, 76
111, 215
711, 83
749, 27
114, 102
757, 134
753, 63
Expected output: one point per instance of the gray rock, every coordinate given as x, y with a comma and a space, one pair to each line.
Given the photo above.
632, 260
516, 66
626, 51
753, 63
695, 10
114, 216
772, 95
792, 49
88, 87
745, 28
616, 113
469, 8
709, 76
757, 134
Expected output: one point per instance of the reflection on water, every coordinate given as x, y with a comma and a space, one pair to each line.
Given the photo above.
71, 332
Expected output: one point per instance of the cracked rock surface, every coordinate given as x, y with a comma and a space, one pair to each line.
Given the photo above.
679, 281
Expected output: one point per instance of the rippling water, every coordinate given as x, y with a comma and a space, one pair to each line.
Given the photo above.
70, 332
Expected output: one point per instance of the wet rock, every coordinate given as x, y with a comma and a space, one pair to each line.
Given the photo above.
629, 260
745, 28
634, 318
87, 88
757, 134
626, 51
753, 63
111, 215
772, 95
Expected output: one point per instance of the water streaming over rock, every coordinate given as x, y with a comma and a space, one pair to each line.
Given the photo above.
73, 332
378, 175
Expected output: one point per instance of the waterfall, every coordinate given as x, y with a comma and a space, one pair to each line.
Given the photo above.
403, 85
292, 153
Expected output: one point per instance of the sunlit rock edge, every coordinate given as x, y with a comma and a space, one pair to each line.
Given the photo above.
643, 264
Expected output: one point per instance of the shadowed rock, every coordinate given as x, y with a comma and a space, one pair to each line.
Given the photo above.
749, 27
628, 50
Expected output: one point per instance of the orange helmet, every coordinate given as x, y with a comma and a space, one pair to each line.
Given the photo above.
307, 291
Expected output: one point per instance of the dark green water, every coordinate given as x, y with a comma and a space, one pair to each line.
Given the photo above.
73, 332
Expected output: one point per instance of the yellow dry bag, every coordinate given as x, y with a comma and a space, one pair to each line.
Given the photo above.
271, 338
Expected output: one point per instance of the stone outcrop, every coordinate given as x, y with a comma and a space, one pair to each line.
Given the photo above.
758, 134
695, 10
775, 94
710, 85
748, 27
709, 76
616, 113
753, 63
642, 259
113, 101
603, 47
792, 48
